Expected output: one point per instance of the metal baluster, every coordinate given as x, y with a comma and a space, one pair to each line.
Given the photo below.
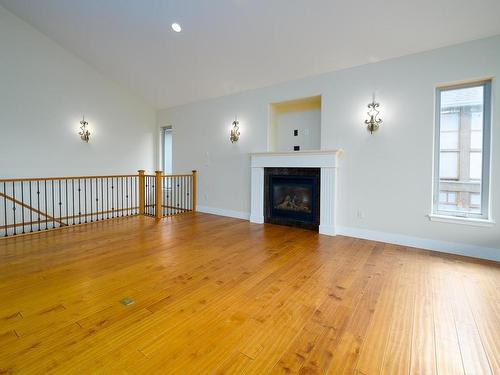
85, 197
46, 208
169, 196
117, 192
136, 181
190, 192
79, 202
127, 200
177, 194
112, 198
38, 202
96, 199
31, 212
91, 198
107, 198
22, 208
60, 202
67, 205
5, 208
146, 198
14, 205
102, 199
53, 207
73, 199
122, 197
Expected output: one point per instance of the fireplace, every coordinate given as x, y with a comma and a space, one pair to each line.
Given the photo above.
292, 196
299, 164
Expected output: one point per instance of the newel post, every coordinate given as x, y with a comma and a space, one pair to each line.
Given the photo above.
158, 195
141, 191
193, 194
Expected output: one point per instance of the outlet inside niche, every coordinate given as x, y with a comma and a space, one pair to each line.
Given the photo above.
295, 125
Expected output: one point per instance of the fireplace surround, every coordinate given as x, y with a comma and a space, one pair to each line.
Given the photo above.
325, 161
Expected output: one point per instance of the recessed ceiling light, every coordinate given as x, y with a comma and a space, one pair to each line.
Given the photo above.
176, 27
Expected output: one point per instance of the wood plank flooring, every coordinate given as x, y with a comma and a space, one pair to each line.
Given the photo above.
216, 295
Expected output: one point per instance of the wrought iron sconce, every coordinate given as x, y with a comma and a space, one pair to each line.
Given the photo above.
235, 131
84, 132
373, 123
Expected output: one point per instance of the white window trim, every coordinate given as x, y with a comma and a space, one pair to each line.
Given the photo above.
163, 129
465, 218
462, 220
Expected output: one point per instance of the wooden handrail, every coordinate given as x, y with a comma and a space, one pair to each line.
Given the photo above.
27, 179
64, 178
176, 175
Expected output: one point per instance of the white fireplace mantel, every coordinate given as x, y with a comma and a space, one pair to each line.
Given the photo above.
327, 161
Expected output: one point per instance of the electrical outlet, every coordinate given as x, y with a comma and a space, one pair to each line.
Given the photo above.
360, 214
295, 133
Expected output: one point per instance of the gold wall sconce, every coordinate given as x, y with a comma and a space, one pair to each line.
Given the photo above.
373, 122
235, 131
84, 132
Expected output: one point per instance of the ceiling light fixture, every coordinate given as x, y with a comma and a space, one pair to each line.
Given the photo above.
176, 27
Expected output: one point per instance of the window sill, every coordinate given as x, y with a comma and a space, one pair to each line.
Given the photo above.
461, 220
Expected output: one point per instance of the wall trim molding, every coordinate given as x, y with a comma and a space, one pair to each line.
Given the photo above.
223, 212
473, 251
422, 243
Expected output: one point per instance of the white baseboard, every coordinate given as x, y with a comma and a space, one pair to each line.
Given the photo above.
257, 219
392, 238
328, 230
223, 212
422, 243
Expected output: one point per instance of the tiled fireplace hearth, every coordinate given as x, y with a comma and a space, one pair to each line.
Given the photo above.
295, 188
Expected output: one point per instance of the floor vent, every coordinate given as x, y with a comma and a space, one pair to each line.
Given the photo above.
127, 301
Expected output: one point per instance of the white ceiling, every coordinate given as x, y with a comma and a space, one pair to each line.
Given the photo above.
228, 46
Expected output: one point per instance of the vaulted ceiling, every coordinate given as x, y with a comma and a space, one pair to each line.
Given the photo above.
228, 46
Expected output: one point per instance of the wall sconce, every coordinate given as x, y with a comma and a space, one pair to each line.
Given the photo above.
373, 123
84, 132
235, 131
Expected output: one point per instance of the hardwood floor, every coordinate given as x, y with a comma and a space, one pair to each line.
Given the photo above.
220, 295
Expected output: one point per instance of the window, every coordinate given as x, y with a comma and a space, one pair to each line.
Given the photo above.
462, 170
166, 143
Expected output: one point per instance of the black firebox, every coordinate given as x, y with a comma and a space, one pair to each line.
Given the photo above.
292, 196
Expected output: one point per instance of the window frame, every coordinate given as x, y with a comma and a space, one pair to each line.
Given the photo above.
163, 130
484, 215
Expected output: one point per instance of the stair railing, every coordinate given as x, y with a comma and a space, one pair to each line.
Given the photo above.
30, 205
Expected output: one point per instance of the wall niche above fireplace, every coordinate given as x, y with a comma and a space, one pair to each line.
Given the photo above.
292, 197
295, 125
